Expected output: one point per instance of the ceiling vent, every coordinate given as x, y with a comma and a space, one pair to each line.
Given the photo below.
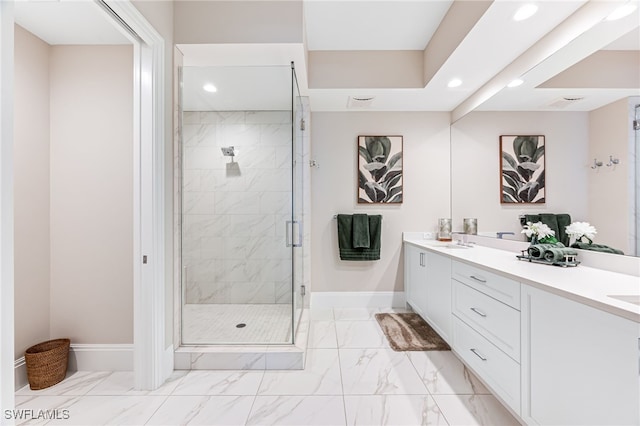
565, 101
360, 101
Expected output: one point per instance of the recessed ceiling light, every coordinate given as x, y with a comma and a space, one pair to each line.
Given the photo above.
622, 11
209, 88
515, 83
525, 12
454, 83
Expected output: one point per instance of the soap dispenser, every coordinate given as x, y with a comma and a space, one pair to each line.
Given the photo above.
444, 229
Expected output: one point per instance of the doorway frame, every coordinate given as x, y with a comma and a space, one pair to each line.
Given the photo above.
149, 355
7, 379
152, 364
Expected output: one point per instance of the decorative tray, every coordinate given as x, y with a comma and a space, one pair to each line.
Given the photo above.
568, 260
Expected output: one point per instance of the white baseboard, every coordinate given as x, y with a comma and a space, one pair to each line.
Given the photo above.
167, 362
358, 299
101, 357
88, 357
20, 373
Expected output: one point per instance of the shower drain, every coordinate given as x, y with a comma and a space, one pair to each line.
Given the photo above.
241, 325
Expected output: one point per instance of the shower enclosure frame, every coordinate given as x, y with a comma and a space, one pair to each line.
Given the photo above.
293, 227
635, 151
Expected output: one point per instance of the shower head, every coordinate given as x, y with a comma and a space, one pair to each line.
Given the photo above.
228, 151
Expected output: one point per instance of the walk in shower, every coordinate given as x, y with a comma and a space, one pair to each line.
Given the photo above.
242, 205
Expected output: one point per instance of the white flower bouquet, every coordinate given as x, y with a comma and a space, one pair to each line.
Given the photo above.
539, 233
578, 230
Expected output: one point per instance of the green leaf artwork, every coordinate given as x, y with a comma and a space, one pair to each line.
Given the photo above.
522, 169
380, 169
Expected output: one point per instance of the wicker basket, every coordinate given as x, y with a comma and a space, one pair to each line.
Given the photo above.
47, 363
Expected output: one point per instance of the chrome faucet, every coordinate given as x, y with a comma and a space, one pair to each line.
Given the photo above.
500, 234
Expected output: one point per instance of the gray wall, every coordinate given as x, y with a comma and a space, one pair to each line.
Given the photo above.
73, 193
92, 193
31, 186
334, 190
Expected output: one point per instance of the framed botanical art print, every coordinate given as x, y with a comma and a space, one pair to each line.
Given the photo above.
380, 169
522, 164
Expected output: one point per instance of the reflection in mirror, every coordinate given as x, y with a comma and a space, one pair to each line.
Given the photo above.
582, 117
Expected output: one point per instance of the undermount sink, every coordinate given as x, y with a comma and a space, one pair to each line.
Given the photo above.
456, 246
635, 299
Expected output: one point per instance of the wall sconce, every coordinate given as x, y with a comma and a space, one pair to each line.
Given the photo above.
596, 164
613, 161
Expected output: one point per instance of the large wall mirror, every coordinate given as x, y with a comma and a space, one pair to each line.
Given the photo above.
584, 100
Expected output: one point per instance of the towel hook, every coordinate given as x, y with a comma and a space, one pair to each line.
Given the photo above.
613, 161
596, 163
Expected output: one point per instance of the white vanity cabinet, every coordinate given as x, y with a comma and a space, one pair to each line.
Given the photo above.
580, 365
427, 283
532, 334
415, 278
486, 328
438, 312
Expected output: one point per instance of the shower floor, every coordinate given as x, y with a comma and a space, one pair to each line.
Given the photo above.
217, 324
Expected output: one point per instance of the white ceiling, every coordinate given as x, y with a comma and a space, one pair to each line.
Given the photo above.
630, 41
623, 34
494, 42
489, 48
247, 76
67, 22
260, 87
372, 25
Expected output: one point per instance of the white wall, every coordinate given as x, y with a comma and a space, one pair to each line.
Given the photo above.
609, 192
31, 190
92, 193
235, 210
334, 190
475, 146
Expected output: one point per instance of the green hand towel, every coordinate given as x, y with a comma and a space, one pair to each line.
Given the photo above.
556, 254
345, 238
551, 220
564, 220
360, 231
537, 250
533, 218
596, 247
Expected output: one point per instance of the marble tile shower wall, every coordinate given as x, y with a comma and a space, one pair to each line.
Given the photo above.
235, 209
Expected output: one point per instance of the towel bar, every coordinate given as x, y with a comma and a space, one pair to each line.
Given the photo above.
335, 216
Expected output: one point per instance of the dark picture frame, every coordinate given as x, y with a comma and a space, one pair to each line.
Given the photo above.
380, 173
522, 169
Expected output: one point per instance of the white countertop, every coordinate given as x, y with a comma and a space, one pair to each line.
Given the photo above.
583, 284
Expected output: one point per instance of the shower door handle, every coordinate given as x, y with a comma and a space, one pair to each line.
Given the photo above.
290, 233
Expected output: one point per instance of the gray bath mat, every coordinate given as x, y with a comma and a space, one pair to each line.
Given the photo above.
409, 332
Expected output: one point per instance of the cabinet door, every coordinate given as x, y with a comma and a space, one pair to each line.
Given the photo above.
415, 278
579, 364
438, 297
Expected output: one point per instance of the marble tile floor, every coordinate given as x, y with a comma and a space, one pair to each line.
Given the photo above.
266, 323
351, 377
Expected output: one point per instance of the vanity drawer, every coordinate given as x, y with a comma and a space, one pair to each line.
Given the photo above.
498, 371
503, 289
496, 321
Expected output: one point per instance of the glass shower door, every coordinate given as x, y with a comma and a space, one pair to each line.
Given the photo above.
238, 231
297, 205
636, 129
